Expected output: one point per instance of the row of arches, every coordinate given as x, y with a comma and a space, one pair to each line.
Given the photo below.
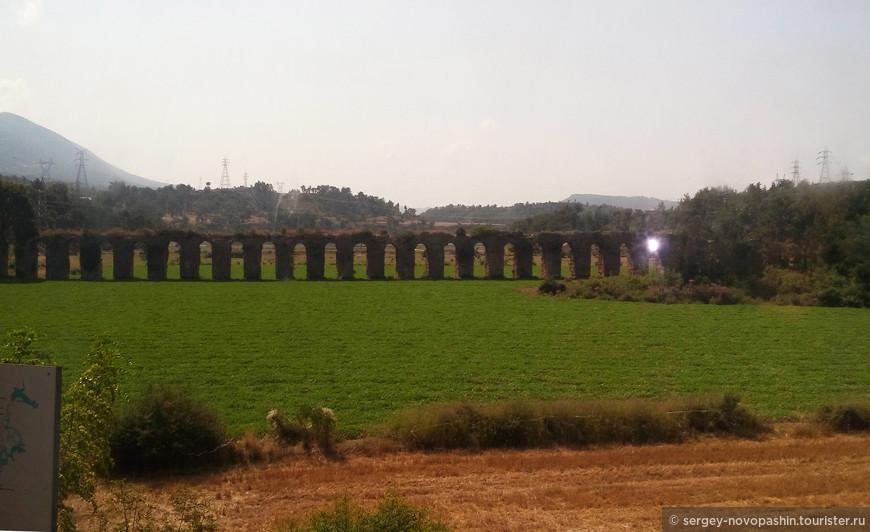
189, 256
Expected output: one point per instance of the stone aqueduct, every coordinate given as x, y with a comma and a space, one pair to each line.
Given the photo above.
611, 246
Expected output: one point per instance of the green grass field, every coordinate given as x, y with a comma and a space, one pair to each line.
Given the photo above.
367, 349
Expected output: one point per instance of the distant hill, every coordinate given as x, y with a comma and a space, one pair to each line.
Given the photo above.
23, 144
626, 202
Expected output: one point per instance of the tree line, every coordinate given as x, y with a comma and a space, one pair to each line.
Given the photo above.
805, 238
809, 240
255, 208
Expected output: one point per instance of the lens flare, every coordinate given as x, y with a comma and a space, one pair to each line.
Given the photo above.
652, 244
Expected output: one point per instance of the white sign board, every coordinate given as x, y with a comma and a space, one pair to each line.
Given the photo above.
29, 436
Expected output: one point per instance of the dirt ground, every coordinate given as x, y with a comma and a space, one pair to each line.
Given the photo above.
612, 488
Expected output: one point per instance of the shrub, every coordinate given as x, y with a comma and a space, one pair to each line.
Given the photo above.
721, 416
847, 417
392, 514
524, 424
314, 425
167, 429
551, 286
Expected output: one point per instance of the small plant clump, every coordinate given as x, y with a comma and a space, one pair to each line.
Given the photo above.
314, 425
133, 509
391, 514
551, 287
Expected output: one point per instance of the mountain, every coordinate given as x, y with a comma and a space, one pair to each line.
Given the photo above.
626, 202
23, 144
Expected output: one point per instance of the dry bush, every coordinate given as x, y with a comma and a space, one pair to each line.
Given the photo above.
573, 423
253, 448
314, 425
847, 417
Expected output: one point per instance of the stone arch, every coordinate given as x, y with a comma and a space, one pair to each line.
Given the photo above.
639, 254
157, 257
450, 268
283, 257
421, 261
523, 259
330, 258
300, 260
481, 267
189, 256
376, 255
551, 254
173, 259
139, 260
57, 263
509, 260
611, 256
566, 266
315, 249
221, 259
90, 258
237, 261
344, 257
107, 256
390, 261
40, 259
204, 256
597, 263
625, 261
491, 244
267, 260
252, 258
359, 258
123, 258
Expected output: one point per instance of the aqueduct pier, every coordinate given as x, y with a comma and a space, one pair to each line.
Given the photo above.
578, 246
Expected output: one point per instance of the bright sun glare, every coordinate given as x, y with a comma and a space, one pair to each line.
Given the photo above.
652, 245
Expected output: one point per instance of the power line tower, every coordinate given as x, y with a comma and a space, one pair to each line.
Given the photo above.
225, 175
280, 187
845, 174
795, 172
245, 177
81, 174
822, 160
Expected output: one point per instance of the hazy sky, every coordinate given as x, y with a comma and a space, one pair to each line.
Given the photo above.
437, 102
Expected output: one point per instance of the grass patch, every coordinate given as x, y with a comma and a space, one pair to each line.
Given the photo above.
573, 423
369, 349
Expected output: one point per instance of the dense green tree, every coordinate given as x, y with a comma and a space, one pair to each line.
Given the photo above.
17, 221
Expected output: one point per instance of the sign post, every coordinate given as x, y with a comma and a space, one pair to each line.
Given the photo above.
29, 440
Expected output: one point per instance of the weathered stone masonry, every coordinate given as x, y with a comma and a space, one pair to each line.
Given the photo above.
550, 246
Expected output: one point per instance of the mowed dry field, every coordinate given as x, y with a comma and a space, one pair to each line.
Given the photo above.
611, 488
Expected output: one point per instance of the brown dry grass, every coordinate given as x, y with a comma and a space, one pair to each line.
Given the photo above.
560, 489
